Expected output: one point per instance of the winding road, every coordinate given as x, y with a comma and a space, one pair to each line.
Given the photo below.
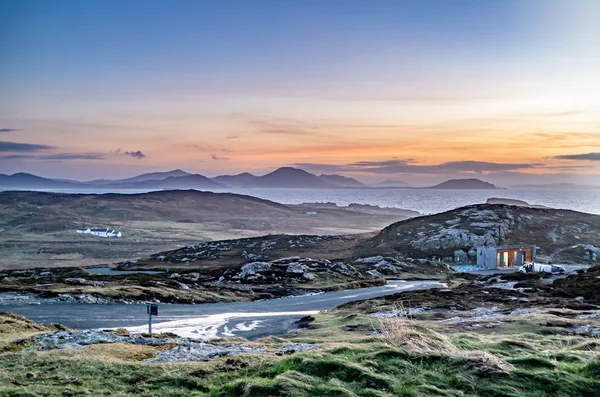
250, 320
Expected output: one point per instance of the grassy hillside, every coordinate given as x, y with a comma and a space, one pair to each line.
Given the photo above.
38, 229
561, 235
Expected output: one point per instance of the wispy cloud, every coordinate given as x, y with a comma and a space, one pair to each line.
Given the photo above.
22, 147
9, 129
278, 125
208, 148
215, 157
135, 154
582, 156
56, 156
555, 114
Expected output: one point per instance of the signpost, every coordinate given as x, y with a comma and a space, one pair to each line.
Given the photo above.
152, 310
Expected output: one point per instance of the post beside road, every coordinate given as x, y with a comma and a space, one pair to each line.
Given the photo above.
152, 310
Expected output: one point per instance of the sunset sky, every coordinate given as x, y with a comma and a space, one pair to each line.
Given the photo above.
421, 91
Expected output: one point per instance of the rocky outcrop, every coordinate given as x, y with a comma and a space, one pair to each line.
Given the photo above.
83, 281
450, 238
185, 350
561, 235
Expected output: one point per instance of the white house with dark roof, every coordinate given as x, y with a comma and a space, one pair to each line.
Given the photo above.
100, 232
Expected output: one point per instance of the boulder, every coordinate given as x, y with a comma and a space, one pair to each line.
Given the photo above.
374, 273
252, 268
308, 276
370, 260
342, 268
296, 268
83, 281
386, 267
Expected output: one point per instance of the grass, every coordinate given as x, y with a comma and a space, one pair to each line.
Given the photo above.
373, 369
360, 357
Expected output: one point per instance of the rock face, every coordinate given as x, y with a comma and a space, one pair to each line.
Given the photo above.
288, 270
185, 350
593, 252
296, 268
83, 281
251, 269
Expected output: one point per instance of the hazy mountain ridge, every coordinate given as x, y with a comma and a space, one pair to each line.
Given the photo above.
284, 177
470, 183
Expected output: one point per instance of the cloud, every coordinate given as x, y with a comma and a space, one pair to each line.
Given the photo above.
271, 125
583, 156
408, 167
22, 147
136, 155
555, 114
56, 156
232, 137
215, 157
74, 156
9, 129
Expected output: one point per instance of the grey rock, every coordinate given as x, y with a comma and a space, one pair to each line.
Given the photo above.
308, 276
374, 273
83, 281
342, 268
386, 267
296, 268
252, 268
370, 260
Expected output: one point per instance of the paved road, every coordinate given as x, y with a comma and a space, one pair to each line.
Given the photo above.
247, 319
568, 268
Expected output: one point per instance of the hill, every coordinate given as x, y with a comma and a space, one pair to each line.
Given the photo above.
561, 235
192, 181
340, 180
507, 201
243, 180
39, 227
463, 184
28, 181
289, 177
391, 183
153, 176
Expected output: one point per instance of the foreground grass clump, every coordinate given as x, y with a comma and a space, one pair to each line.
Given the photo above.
360, 369
360, 356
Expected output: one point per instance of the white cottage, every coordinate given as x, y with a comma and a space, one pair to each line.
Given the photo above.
85, 230
105, 232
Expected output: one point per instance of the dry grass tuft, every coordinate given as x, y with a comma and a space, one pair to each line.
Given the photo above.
404, 333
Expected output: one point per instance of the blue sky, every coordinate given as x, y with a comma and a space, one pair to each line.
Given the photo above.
261, 84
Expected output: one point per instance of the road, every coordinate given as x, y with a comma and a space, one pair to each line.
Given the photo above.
568, 268
247, 319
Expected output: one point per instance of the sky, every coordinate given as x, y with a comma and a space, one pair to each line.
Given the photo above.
420, 91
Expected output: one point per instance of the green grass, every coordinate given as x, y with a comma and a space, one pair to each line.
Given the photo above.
351, 363
364, 369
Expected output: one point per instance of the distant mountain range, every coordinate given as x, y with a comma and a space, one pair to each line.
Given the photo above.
463, 184
285, 177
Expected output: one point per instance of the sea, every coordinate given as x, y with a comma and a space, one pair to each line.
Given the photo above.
425, 201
